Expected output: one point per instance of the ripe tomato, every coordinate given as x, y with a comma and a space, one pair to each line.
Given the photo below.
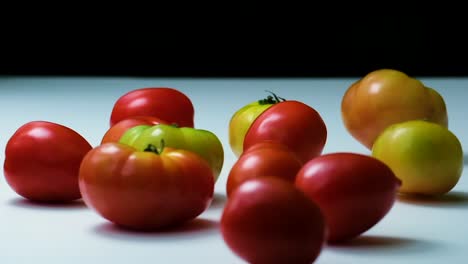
292, 123
165, 103
267, 158
354, 191
202, 142
42, 161
268, 220
150, 189
115, 132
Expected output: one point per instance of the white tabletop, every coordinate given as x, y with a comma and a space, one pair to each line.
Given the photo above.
430, 232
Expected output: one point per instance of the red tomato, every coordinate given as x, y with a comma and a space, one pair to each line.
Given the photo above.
267, 158
149, 189
165, 103
292, 123
42, 161
115, 132
354, 191
268, 220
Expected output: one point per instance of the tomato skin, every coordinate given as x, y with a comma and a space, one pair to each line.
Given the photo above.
162, 102
268, 220
42, 161
354, 191
115, 132
292, 123
144, 190
267, 158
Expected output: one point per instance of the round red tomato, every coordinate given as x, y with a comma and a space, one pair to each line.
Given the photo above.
115, 132
354, 191
150, 189
267, 158
42, 161
268, 220
292, 123
165, 103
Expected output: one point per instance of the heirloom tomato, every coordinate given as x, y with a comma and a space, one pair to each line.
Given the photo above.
354, 191
149, 189
168, 104
42, 161
115, 132
268, 220
200, 141
267, 158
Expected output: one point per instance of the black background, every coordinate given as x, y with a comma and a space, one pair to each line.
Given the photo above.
232, 40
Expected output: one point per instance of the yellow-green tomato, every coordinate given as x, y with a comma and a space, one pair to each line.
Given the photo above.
202, 142
425, 156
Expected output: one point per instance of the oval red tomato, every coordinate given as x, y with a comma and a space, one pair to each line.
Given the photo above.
162, 102
42, 161
354, 191
267, 158
268, 220
292, 123
115, 132
144, 190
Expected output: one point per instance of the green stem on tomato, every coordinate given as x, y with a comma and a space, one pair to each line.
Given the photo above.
271, 99
154, 149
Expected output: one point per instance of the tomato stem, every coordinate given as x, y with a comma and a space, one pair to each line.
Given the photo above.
271, 99
154, 149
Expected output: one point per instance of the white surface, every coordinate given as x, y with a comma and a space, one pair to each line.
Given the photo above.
433, 232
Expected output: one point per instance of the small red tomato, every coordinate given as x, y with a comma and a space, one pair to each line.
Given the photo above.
268, 220
150, 189
115, 132
267, 158
292, 123
42, 161
354, 191
165, 103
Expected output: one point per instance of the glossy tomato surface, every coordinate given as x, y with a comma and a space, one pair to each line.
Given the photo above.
168, 104
265, 159
292, 123
268, 220
42, 161
145, 190
115, 132
354, 191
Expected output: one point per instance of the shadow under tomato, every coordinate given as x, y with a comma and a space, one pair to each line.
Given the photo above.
451, 199
375, 244
219, 200
193, 228
29, 204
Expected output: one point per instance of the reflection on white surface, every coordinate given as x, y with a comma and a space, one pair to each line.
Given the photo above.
414, 231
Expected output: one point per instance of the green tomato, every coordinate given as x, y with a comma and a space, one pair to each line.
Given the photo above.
425, 156
202, 142
243, 118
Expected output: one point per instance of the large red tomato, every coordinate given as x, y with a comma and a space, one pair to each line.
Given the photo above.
165, 103
292, 123
42, 161
354, 191
115, 132
267, 158
268, 220
150, 189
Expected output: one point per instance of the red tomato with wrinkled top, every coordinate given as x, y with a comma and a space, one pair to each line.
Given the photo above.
267, 158
115, 132
42, 161
168, 104
292, 123
268, 220
354, 191
151, 189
